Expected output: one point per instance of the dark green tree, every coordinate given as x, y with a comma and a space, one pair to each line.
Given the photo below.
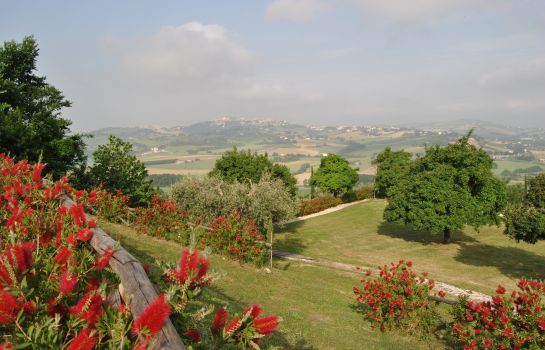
536, 191
247, 166
31, 126
334, 175
446, 189
391, 166
115, 168
312, 187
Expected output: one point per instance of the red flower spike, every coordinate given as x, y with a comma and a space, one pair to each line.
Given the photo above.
37, 173
194, 334
232, 327
63, 255
501, 289
83, 341
67, 283
266, 325
255, 310
85, 234
150, 321
8, 308
104, 259
220, 319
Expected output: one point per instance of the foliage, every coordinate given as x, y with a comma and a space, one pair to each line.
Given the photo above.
516, 194
163, 218
106, 205
164, 180
536, 191
334, 175
245, 166
446, 189
236, 237
53, 288
525, 223
508, 321
31, 126
317, 204
116, 169
365, 192
212, 197
391, 167
398, 298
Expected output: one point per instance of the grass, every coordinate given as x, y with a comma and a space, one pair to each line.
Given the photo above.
315, 303
358, 235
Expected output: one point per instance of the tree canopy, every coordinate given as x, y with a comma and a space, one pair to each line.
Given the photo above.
334, 175
247, 166
115, 168
391, 166
31, 126
446, 189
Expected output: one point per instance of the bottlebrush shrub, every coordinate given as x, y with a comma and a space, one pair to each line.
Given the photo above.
106, 205
236, 237
509, 321
398, 298
162, 218
317, 204
184, 284
53, 287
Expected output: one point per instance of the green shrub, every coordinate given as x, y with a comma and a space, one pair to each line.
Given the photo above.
364, 192
211, 197
318, 204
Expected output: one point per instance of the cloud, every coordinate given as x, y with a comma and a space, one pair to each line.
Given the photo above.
295, 10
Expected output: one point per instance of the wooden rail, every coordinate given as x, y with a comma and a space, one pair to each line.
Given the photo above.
137, 289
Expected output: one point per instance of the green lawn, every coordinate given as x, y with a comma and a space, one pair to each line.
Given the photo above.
358, 235
315, 303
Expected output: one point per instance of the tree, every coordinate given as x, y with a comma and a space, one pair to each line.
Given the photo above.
525, 221
334, 175
245, 166
115, 168
31, 126
446, 189
391, 166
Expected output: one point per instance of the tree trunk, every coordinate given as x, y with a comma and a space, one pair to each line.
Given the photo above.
446, 236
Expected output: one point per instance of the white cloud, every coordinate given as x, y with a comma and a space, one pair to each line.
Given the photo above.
295, 10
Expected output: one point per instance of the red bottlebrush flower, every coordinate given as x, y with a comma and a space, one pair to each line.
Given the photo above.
219, 319
63, 255
232, 327
150, 321
29, 307
508, 332
194, 334
85, 340
487, 343
37, 173
78, 215
89, 307
85, 234
104, 259
8, 308
67, 283
71, 239
92, 223
255, 310
542, 324
442, 294
147, 268
501, 289
266, 325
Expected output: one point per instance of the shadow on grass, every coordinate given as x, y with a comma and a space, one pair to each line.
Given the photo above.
511, 261
287, 239
409, 234
214, 295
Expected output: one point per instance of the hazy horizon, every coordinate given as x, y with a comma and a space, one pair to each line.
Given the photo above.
320, 62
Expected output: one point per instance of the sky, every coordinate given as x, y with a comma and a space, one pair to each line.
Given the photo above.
332, 62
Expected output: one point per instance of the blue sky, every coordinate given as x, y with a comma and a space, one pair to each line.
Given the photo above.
132, 63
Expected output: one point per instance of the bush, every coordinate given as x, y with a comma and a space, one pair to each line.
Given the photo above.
162, 218
236, 237
398, 298
317, 204
211, 197
106, 205
508, 321
364, 192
